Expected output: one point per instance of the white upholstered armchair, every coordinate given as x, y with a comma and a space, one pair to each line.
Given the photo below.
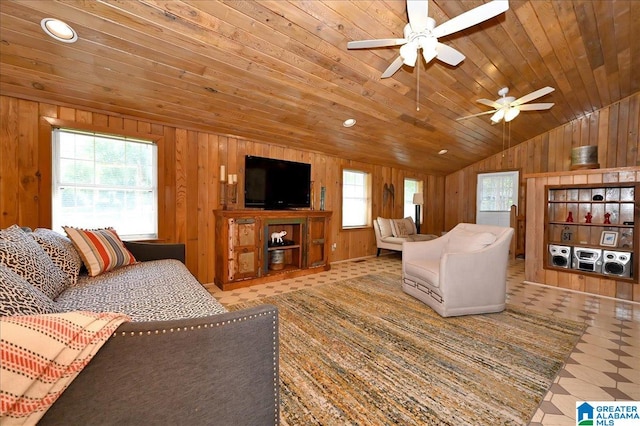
463, 272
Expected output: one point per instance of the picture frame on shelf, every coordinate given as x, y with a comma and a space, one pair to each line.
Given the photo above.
609, 239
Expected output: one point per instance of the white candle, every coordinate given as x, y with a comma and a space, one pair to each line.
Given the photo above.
235, 178
222, 173
229, 180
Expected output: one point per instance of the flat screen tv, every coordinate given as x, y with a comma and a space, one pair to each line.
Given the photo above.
276, 184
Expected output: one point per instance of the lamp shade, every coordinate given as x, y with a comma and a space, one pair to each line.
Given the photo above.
418, 198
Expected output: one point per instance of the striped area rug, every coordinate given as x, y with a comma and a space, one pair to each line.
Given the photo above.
362, 352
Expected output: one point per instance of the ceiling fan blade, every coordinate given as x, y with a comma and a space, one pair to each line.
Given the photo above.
395, 66
535, 107
487, 102
476, 115
471, 18
449, 55
533, 95
383, 42
418, 13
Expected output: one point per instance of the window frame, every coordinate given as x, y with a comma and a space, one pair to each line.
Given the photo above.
512, 176
60, 125
367, 199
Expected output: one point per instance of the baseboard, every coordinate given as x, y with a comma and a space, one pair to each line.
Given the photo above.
581, 292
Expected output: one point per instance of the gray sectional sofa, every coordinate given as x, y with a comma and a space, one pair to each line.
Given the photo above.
182, 359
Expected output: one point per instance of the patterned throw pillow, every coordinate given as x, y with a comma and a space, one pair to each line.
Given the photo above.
399, 228
410, 225
61, 250
18, 297
25, 257
101, 250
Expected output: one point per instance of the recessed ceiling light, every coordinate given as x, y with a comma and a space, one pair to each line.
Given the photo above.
349, 122
59, 30
442, 151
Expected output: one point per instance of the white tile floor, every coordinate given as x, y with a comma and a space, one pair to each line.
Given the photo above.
604, 366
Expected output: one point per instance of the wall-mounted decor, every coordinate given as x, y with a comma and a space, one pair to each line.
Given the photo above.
609, 238
567, 234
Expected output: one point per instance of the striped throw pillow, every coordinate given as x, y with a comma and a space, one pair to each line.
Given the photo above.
101, 250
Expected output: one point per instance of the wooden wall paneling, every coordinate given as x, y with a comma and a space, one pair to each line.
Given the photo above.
192, 195
564, 280
102, 120
633, 131
332, 180
142, 127
223, 160
450, 207
163, 233
603, 134
84, 117
28, 163
624, 290
180, 185
530, 155
623, 132
213, 189
530, 243
567, 146
594, 119
129, 125
233, 162
555, 150
9, 175
66, 113
167, 227
612, 137
204, 210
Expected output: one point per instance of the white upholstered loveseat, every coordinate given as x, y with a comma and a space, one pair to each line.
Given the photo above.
392, 233
463, 272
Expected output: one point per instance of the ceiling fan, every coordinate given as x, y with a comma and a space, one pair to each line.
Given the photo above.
422, 33
508, 107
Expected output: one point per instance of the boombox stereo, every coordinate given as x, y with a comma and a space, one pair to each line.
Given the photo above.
587, 259
559, 256
616, 263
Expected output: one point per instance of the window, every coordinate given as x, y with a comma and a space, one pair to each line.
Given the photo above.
105, 181
497, 192
356, 199
411, 186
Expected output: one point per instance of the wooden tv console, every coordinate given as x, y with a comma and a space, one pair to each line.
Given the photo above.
245, 255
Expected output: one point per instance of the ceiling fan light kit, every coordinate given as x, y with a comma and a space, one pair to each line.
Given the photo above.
511, 113
508, 107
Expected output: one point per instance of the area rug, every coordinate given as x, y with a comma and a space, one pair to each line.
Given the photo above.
362, 352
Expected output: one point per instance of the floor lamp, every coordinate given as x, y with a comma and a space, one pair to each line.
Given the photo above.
418, 200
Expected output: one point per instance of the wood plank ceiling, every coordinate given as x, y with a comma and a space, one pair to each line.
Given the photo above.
280, 72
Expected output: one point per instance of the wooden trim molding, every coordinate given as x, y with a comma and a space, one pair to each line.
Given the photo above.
71, 124
583, 172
